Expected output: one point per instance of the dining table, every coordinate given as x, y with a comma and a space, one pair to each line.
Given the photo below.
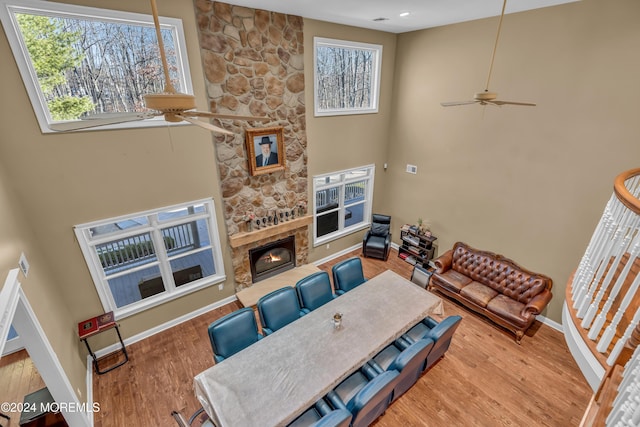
276, 379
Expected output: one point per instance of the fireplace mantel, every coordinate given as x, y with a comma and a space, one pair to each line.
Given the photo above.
245, 238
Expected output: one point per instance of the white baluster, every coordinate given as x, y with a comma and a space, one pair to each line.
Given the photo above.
579, 287
606, 338
585, 272
600, 262
616, 248
621, 342
615, 290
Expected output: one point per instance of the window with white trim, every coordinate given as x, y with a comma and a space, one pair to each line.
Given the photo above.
144, 259
77, 60
346, 77
342, 203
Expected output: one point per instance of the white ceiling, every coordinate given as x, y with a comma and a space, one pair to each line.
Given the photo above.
423, 13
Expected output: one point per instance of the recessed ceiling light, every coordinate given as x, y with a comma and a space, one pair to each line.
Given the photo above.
405, 14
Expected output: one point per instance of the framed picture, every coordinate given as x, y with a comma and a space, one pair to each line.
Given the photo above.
265, 149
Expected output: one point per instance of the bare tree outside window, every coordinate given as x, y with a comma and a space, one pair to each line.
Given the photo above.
347, 77
77, 61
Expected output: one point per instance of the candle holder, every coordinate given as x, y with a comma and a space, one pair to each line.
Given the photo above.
337, 321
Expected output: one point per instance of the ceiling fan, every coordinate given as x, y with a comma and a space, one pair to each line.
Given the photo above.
171, 104
485, 97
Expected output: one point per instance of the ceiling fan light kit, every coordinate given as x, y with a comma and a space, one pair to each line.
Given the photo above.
485, 97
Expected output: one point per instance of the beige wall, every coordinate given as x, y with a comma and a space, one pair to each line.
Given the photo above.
51, 309
342, 142
72, 178
530, 183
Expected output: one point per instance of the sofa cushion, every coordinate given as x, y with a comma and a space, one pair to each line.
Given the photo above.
453, 280
478, 293
507, 308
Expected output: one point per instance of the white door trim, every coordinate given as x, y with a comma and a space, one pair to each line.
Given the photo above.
16, 310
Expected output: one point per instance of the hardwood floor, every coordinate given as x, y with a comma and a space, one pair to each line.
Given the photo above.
18, 377
485, 379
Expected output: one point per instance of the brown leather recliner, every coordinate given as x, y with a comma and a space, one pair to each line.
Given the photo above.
493, 286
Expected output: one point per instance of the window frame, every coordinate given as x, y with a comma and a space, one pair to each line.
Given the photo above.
8, 8
343, 181
376, 76
155, 225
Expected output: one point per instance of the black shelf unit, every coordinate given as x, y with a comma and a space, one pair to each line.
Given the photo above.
416, 248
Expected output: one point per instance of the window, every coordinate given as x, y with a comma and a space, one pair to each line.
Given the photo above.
141, 260
78, 60
347, 77
342, 203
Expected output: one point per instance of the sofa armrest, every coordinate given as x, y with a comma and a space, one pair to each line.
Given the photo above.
444, 261
537, 303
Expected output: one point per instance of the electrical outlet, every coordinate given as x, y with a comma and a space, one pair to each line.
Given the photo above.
412, 169
221, 286
328, 245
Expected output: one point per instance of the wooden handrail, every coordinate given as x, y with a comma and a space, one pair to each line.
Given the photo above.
623, 194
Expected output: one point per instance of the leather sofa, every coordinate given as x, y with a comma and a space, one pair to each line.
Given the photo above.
493, 286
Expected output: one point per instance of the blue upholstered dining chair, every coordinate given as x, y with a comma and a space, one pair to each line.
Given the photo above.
321, 415
314, 291
278, 309
365, 393
441, 333
347, 275
408, 362
232, 333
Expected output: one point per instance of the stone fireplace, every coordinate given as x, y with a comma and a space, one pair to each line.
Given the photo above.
272, 258
253, 62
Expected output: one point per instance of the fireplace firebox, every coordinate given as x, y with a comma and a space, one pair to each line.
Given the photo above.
273, 258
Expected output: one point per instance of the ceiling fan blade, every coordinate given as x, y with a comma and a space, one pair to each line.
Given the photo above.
224, 116
205, 125
455, 103
95, 122
526, 104
125, 115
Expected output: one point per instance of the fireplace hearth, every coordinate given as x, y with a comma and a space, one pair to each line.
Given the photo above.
273, 258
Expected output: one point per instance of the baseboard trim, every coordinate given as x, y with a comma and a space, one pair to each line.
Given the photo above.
89, 381
551, 323
163, 327
336, 255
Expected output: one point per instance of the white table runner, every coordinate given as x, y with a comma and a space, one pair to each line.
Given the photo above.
274, 380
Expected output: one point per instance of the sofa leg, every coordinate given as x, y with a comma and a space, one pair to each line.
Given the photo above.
519, 335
